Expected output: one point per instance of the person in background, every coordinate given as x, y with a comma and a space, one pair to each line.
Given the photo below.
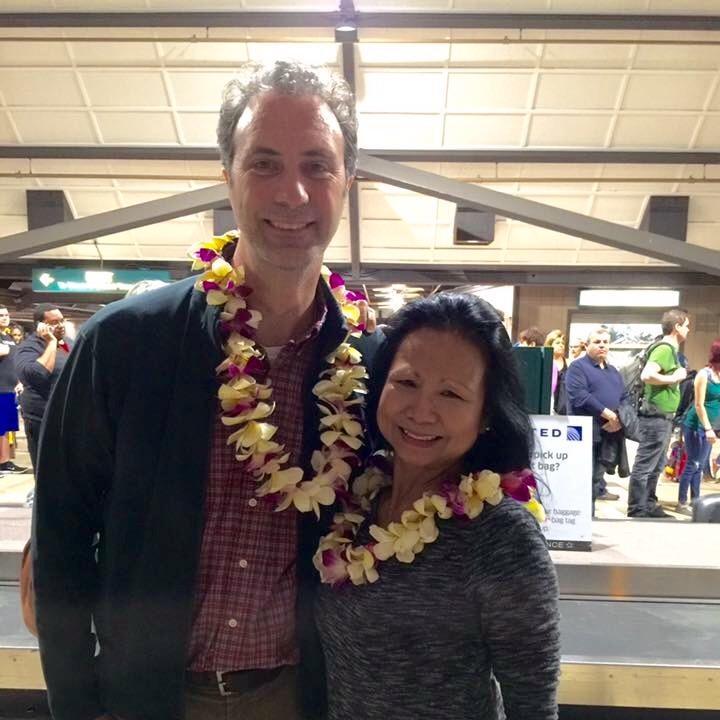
555, 339
531, 337
662, 376
17, 332
38, 363
456, 615
577, 349
8, 389
595, 388
698, 428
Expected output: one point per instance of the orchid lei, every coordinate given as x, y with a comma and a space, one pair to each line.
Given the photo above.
245, 392
339, 560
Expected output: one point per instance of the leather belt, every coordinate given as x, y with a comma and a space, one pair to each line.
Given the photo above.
228, 683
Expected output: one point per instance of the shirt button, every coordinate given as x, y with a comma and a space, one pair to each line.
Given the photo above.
252, 502
232, 622
243, 563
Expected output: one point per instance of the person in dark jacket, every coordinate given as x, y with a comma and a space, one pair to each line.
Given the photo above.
150, 525
596, 388
38, 362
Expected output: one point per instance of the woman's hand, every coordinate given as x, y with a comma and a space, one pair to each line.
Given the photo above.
710, 436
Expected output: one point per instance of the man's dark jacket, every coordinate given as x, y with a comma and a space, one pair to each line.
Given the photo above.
125, 454
37, 380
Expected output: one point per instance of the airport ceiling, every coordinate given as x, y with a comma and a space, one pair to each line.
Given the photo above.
115, 103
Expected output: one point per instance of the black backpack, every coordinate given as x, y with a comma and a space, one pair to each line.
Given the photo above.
631, 372
687, 396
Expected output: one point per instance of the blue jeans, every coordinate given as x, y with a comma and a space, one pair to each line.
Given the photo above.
649, 461
697, 449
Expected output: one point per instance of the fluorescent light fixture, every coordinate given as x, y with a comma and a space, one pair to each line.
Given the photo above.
629, 298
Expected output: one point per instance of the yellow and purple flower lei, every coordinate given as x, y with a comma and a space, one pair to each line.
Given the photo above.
245, 392
339, 560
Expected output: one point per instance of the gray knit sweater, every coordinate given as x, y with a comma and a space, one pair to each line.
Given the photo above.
432, 640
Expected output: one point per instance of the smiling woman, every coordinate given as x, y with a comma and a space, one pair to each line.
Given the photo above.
444, 598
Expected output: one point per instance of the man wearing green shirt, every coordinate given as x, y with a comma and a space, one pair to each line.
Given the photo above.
662, 376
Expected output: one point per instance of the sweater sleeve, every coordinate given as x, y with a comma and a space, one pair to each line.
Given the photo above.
30, 372
73, 475
515, 586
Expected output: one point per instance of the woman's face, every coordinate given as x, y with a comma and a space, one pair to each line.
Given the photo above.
558, 347
17, 334
431, 407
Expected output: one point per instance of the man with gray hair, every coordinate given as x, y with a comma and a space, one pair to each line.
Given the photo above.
596, 388
169, 585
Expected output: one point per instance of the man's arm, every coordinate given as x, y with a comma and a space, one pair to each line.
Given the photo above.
47, 358
73, 474
652, 373
30, 372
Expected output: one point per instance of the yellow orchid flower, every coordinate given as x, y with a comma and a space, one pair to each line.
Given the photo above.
233, 304
252, 433
220, 267
260, 411
330, 437
473, 506
536, 509
345, 354
397, 540
341, 421
486, 485
361, 566
216, 297
282, 480
307, 496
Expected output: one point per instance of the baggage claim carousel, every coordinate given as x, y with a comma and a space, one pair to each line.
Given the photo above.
640, 619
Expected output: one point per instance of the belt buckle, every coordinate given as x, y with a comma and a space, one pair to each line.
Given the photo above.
221, 684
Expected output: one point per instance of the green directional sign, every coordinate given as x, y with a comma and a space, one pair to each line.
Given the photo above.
73, 280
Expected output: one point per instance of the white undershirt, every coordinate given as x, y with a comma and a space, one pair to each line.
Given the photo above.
273, 352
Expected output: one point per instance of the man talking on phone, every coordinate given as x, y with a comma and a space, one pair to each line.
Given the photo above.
39, 361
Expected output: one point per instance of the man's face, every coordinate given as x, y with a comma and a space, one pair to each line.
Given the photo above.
683, 330
287, 182
4, 318
598, 346
55, 319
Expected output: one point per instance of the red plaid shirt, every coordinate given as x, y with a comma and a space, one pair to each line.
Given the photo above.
244, 615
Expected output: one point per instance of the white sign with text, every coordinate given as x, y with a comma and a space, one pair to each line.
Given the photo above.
562, 460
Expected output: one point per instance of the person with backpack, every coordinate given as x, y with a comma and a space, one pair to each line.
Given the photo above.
697, 428
661, 377
595, 388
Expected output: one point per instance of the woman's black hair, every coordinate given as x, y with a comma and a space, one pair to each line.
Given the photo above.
507, 442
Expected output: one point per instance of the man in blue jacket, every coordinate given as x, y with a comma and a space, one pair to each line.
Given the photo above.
38, 363
596, 388
166, 588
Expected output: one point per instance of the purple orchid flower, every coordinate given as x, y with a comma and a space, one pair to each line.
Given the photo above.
354, 296
207, 255
255, 367
517, 485
336, 281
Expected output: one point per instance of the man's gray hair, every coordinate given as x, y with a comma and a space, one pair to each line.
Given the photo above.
289, 78
598, 330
